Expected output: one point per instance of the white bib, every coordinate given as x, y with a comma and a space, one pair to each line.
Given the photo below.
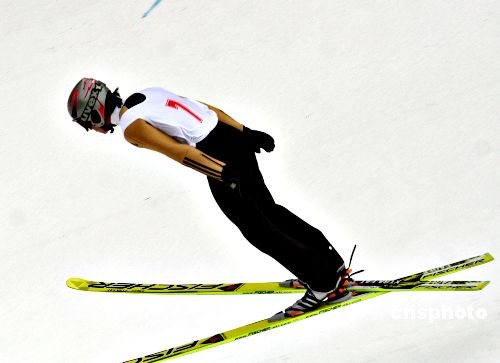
185, 120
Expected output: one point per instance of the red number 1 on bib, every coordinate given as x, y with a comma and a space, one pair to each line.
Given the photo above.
177, 105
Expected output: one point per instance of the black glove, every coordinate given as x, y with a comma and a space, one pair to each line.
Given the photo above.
257, 140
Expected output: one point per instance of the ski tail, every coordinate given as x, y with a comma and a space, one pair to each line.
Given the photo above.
181, 289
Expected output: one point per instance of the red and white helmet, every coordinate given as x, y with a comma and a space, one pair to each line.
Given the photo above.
87, 104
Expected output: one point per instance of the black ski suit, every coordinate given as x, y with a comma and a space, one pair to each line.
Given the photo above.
268, 226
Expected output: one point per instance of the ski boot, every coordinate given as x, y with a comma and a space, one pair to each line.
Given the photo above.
313, 299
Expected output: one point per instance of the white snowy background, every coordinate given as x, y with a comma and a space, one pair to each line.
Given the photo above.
386, 116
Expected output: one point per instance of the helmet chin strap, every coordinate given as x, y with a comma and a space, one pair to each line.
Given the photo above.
114, 120
116, 101
115, 116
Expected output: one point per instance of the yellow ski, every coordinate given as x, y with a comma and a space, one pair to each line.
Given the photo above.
266, 287
264, 325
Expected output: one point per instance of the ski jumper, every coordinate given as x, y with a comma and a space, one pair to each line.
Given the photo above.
190, 133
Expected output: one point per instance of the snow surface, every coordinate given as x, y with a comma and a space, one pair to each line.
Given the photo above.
386, 116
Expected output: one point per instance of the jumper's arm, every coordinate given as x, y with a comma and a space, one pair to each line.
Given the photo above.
142, 134
225, 118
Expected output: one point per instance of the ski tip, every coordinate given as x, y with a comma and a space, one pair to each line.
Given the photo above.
76, 283
488, 257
